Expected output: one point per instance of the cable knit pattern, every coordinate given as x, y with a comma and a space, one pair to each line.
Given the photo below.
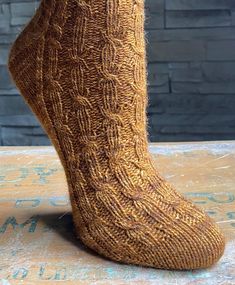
81, 67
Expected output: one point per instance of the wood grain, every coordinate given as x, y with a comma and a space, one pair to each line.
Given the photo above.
37, 245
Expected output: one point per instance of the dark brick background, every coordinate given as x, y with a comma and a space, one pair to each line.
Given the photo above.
191, 54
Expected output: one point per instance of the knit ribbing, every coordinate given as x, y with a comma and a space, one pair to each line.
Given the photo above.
81, 67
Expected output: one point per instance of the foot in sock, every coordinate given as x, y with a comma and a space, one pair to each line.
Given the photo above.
81, 67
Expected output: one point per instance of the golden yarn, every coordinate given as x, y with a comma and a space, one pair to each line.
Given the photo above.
81, 67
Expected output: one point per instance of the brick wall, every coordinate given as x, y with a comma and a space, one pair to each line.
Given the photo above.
191, 77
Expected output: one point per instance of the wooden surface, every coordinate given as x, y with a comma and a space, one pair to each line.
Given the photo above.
37, 245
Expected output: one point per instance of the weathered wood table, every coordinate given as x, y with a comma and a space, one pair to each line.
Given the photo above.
37, 245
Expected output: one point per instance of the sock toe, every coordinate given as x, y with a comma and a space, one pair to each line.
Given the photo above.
197, 248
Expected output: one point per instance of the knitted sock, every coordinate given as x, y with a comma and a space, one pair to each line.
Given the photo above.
81, 67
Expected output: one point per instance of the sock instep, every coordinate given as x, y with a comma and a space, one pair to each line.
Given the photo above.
81, 67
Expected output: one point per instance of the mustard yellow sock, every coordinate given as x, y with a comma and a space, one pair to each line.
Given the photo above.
81, 67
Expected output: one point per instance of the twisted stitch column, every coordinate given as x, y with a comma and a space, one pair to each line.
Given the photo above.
83, 73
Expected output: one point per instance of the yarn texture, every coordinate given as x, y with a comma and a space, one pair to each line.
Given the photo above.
81, 67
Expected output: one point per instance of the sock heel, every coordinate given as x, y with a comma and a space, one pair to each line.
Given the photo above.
81, 68
23, 58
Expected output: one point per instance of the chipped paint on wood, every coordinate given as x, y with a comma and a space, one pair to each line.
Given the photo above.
37, 244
